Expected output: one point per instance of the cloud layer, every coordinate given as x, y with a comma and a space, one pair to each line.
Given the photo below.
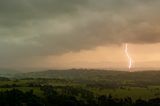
31, 28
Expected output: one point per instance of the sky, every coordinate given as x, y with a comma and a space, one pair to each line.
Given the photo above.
79, 33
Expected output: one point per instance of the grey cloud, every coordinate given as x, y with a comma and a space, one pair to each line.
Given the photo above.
48, 27
21, 11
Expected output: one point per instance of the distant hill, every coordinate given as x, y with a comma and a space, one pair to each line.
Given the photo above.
93, 74
8, 72
70, 73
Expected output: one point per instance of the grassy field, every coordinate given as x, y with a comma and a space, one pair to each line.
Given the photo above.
121, 92
133, 92
145, 85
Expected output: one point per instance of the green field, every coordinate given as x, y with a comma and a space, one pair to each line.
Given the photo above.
120, 92
145, 85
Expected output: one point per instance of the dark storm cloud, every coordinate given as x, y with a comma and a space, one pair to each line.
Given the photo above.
48, 27
15, 12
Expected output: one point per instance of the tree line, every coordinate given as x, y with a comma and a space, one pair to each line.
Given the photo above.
67, 96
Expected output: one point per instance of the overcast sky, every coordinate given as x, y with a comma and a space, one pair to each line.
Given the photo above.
78, 33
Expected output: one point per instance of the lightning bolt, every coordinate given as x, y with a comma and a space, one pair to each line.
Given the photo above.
128, 56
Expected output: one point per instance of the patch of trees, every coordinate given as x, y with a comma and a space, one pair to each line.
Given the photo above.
4, 79
67, 96
16, 97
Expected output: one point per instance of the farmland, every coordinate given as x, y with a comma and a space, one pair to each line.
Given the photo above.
144, 85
